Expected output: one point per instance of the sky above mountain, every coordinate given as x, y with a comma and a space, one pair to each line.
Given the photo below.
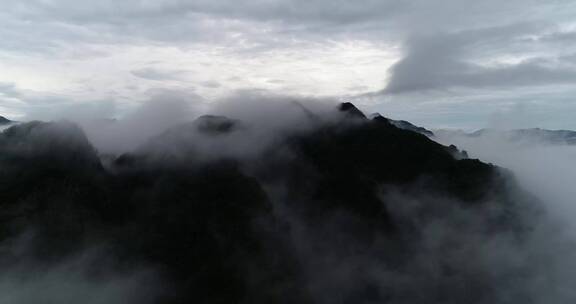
446, 63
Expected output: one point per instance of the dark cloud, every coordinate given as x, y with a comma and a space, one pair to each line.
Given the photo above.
447, 61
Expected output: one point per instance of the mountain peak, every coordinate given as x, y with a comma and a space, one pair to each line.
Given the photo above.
351, 110
4, 120
215, 124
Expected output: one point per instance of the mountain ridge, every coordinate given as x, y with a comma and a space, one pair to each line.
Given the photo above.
4, 120
535, 134
268, 228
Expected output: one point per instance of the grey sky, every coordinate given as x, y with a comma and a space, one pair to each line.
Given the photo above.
445, 63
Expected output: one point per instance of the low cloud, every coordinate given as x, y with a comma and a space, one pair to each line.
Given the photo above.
164, 109
546, 168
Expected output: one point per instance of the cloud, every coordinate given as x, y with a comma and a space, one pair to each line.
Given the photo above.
316, 47
558, 36
178, 21
545, 168
37, 105
160, 74
174, 114
9, 90
547, 171
164, 109
211, 84
445, 61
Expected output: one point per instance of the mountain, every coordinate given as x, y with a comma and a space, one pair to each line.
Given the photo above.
4, 120
406, 125
402, 124
340, 212
566, 137
537, 134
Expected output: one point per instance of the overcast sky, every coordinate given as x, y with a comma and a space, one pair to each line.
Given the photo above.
442, 63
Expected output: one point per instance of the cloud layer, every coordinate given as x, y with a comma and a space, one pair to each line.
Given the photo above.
80, 51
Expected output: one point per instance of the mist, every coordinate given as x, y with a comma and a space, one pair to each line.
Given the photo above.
547, 168
208, 151
258, 119
86, 278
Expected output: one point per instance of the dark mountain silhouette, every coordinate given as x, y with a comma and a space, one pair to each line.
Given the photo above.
298, 224
4, 120
406, 125
402, 124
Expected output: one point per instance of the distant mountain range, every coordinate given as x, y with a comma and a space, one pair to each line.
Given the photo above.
534, 134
